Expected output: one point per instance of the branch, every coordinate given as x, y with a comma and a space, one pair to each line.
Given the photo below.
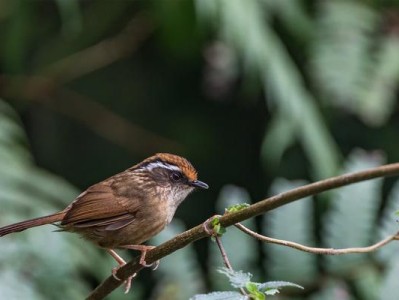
225, 258
315, 250
258, 208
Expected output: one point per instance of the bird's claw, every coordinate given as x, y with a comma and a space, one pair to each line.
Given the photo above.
127, 282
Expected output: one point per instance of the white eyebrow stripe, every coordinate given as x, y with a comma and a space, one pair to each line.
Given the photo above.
160, 164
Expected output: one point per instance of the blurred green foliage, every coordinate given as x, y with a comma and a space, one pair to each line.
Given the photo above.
249, 91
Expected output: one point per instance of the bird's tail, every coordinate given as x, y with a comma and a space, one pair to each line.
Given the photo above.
20, 226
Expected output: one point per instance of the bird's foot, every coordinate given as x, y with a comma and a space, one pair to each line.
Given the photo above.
121, 262
127, 282
143, 249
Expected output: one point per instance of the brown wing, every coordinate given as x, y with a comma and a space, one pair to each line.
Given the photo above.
99, 206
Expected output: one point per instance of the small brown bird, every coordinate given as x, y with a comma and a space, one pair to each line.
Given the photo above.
128, 208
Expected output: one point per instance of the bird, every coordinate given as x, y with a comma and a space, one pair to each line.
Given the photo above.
126, 209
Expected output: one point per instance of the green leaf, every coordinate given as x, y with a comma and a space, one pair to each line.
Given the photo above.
237, 207
253, 291
350, 66
294, 16
340, 54
277, 285
238, 279
378, 98
251, 287
220, 296
218, 229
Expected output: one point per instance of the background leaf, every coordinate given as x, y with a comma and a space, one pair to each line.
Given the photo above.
388, 225
293, 222
388, 286
351, 219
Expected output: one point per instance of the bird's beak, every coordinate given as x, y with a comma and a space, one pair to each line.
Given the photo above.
199, 184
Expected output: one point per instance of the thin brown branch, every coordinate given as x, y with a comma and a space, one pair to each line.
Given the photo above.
316, 250
258, 208
225, 257
223, 253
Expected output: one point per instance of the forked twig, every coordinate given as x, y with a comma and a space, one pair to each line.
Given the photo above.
316, 250
225, 258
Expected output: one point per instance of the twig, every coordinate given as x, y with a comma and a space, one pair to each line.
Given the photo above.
315, 250
223, 253
225, 258
258, 208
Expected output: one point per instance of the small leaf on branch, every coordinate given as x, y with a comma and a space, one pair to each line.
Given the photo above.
272, 287
236, 207
220, 296
238, 279
254, 291
218, 229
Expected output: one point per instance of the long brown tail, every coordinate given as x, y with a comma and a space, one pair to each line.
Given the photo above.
20, 226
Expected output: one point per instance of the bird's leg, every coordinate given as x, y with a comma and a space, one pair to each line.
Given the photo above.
121, 262
143, 249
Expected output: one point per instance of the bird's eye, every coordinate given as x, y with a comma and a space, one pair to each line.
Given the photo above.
176, 176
